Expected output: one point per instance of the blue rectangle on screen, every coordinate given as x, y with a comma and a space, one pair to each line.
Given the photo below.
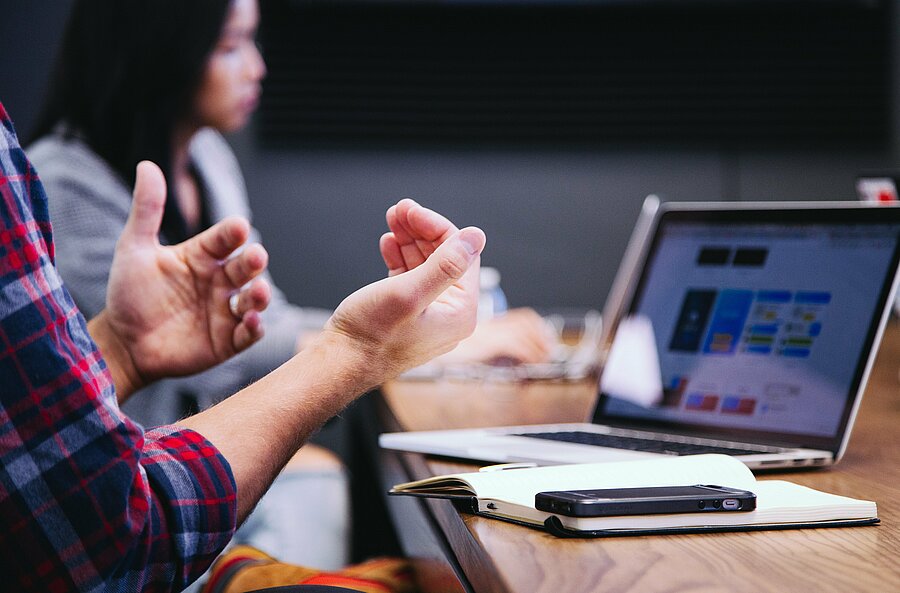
766, 329
812, 298
759, 349
731, 404
796, 352
728, 321
773, 296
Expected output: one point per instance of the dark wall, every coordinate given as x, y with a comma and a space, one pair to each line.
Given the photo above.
29, 34
557, 219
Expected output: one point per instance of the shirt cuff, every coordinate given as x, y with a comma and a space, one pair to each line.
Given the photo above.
197, 495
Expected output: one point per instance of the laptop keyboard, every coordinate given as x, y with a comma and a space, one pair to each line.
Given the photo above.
639, 444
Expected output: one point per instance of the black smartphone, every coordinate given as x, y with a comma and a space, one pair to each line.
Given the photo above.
645, 501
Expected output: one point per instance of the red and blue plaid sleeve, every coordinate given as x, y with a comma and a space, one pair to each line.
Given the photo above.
88, 501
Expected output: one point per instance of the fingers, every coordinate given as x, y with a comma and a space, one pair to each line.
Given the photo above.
255, 297
147, 206
450, 264
246, 265
391, 254
394, 217
530, 349
417, 232
220, 240
413, 248
412, 222
248, 331
535, 340
426, 224
517, 353
249, 303
517, 336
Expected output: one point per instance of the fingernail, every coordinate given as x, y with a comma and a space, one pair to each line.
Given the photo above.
472, 239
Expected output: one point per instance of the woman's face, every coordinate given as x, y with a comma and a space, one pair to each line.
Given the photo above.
229, 92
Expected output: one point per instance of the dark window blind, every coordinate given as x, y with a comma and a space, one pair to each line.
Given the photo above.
725, 74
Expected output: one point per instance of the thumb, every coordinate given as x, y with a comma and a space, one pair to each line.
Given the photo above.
147, 205
446, 266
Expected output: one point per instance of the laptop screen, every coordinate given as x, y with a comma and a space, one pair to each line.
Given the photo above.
763, 320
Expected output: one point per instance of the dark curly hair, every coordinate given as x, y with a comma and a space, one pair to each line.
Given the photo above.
126, 75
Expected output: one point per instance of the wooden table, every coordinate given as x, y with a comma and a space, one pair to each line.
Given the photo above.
457, 551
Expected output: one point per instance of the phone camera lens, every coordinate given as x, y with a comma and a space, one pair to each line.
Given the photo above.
701, 504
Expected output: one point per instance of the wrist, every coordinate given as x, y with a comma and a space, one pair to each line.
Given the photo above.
305, 339
358, 362
125, 375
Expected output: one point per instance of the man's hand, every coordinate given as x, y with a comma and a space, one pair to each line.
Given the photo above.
426, 305
415, 233
519, 335
168, 309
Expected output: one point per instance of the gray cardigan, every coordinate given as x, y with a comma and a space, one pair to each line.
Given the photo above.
89, 204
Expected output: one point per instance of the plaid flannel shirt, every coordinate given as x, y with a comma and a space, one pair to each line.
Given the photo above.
88, 500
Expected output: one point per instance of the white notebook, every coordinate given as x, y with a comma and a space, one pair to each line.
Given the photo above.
509, 495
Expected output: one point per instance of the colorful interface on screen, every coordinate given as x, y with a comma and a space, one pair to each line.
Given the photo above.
761, 327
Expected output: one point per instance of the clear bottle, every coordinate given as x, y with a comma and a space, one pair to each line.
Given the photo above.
491, 299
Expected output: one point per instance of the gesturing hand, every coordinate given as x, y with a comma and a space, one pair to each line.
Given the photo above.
168, 307
518, 336
416, 233
429, 301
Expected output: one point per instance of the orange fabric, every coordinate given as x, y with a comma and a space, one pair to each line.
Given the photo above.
336, 580
243, 569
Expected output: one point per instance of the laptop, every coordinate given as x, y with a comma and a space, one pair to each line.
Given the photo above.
766, 318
